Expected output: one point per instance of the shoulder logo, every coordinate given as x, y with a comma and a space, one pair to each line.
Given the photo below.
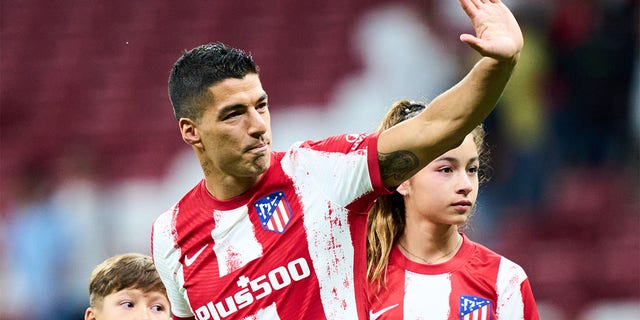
274, 212
475, 308
378, 314
188, 261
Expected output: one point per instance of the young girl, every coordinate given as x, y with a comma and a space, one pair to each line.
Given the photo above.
420, 266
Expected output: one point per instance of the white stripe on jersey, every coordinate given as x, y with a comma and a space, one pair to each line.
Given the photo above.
510, 304
162, 239
270, 312
330, 169
235, 241
434, 301
328, 235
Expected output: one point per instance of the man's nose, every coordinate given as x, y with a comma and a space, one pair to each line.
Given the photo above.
257, 124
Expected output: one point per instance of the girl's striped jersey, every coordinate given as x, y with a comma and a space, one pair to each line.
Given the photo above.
476, 283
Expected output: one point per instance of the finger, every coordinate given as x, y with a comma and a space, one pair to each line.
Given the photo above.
472, 41
477, 3
467, 38
468, 6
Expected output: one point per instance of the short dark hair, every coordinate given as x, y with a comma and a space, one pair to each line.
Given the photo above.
198, 69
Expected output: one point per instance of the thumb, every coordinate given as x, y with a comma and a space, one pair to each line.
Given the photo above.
472, 41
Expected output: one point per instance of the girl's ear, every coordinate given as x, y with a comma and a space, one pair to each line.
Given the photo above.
403, 188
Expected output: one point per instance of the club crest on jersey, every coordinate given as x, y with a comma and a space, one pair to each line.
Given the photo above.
274, 212
475, 308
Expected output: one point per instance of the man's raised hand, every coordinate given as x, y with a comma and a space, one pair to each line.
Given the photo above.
498, 34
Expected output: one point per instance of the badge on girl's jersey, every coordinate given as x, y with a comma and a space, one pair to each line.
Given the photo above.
475, 308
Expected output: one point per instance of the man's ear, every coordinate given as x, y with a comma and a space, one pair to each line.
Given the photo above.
189, 131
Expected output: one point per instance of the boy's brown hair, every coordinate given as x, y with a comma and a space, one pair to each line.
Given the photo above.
124, 271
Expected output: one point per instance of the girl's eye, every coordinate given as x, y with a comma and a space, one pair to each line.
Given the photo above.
446, 170
473, 170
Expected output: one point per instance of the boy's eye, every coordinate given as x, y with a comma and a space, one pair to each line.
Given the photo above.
127, 304
158, 308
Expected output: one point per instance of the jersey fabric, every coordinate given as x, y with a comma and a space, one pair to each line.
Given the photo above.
476, 283
291, 247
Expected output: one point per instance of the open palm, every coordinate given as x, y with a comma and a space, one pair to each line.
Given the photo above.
498, 34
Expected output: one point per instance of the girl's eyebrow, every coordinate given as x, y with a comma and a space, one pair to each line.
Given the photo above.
452, 159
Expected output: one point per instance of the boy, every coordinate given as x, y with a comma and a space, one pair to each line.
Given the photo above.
127, 286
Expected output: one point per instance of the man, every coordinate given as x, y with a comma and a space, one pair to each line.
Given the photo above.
281, 235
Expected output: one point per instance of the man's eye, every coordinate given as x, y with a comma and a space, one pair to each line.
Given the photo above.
232, 115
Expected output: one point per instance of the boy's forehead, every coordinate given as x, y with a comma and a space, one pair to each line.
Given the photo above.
138, 293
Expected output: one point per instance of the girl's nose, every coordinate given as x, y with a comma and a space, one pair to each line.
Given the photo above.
465, 186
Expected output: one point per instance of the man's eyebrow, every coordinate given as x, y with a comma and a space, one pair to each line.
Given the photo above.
231, 107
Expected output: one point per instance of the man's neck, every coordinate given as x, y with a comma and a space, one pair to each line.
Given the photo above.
229, 187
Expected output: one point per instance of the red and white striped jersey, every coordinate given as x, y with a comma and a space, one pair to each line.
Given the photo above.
291, 247
476, 283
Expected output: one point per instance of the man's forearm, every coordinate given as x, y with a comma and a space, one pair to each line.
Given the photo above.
453, 114
458, 110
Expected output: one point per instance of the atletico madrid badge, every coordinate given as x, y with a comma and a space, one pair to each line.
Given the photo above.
274, 212
475, 308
